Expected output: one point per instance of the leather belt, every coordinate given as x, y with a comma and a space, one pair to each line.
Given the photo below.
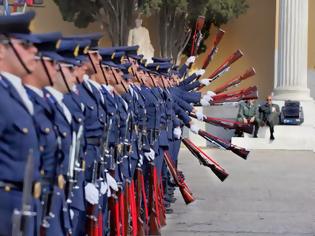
9, 186
93, 141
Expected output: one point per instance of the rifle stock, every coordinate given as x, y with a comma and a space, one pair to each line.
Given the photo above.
224, 67
154, 227
205, 160
139, 200
227, 124
214, 48
184, 190
235, 81
236, 96
241, 152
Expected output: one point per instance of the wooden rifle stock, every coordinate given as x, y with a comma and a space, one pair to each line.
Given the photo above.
205, 160
235, 81
139, 200
154, 227
224, 67
184, 190
227, 124
236, 96
214, 48
241, 152
197, 37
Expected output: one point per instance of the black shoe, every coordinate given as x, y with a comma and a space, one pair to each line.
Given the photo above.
170, 199
169, 211
167, 204
255, 136
272, 137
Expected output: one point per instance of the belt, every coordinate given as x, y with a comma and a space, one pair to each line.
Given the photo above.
93, 141
9, 186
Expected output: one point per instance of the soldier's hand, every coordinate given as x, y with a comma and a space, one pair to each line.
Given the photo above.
177, 132
91, 193
111, 182
194, 128
103, 187
252, 119
190, 60
150, 155
140, 160
205, 82
200, 115
200, 72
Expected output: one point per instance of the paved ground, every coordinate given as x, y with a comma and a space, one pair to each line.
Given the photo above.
270, 194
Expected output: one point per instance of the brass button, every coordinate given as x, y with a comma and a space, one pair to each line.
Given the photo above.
47, 130
64, 134
42, 172
61, 181
37, 190
7, 188
25, 130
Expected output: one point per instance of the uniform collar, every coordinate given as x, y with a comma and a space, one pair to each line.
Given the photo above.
57, 95
38, 91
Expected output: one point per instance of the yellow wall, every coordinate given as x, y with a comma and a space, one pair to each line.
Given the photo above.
311, 33
253, 33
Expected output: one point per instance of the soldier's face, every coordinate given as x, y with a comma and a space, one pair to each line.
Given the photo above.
70, 79
27, 54
79, 71
51, 70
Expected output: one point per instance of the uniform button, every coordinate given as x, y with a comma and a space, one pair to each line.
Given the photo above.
42, 172
7, 188
41, 148
47, 130
64, 134
25, 130
80, 120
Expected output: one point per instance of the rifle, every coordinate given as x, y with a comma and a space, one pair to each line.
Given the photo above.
214, 48
180, 182
140, 199
197, 35
154, 225
227, 124
236, 96
91, 225
21, 219
224, 67
241, 152
206, 160
235, 81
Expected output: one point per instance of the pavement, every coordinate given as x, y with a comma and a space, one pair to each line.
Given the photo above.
270, 194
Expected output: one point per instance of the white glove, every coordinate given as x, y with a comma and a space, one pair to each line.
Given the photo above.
91, 193
194, 128
200, 115
207, 98
211, 93
204, 102
150, 155
190, 60
177, 132
200, 72
111, 182
103, 188
205, 82
71, 214
140, 160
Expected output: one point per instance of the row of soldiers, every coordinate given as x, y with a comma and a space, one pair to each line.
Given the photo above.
84, 131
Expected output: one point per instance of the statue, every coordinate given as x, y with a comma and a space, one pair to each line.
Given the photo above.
140, 36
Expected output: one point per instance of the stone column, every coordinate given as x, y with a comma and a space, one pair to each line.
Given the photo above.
291, 79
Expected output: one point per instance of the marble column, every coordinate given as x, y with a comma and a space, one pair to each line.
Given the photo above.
291, 79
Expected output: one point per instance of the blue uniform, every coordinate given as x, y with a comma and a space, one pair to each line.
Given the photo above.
18, 137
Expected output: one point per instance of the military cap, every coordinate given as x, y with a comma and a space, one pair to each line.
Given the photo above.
94, 39
161, 60
68, 49
17, 26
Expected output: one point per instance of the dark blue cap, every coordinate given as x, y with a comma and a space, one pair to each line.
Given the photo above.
106, 53
129, 50
18, 23
48, 41
94, 39
159, 59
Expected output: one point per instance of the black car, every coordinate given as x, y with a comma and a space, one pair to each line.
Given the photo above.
291, 113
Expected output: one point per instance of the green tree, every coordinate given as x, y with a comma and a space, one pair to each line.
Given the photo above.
175, 18
116, 16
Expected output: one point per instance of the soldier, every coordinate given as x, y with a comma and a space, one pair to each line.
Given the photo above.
19, 143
